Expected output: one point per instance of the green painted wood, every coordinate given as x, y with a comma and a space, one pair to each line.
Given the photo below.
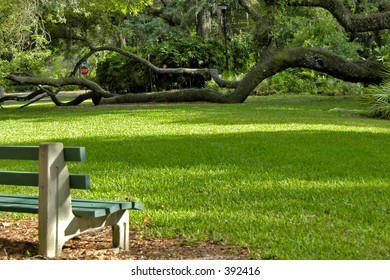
136, 206
22, 178
110, 207
124, 205
31, 209
19, 152
19, 178
34, 209
18, 199
80, 207
79, 181
32, 153
30, 204
89, 212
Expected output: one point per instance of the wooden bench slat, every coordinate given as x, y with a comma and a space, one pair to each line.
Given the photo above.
79, 181
19, 152
19, 178
91, 212
32, 153
109, 207
23, 178
123, 204
22, 208
80, 207
18, 199
33, 209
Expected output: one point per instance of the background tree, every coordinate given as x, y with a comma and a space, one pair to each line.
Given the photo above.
23, 38
285, 34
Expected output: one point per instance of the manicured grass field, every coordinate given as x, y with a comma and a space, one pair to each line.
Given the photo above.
290, 177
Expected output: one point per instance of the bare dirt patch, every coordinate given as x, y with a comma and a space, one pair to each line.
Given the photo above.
19, 241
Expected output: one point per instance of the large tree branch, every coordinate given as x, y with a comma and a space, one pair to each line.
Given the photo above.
272, 63
351, 22
212, 72
170, 19
151, 65
250, 10
315, 59
97, 93
183, 95
18, 97
60, 83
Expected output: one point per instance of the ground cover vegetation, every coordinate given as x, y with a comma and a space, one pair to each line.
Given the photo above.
263, 47
283, 177
287, 177
377, 99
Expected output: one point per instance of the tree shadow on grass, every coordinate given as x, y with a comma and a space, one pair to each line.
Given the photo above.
298, 154
276, 181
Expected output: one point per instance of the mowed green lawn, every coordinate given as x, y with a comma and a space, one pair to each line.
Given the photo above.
290, 177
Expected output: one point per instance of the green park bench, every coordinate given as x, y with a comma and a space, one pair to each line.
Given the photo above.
61, 217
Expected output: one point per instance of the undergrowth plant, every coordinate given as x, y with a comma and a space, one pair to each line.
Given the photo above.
377, 99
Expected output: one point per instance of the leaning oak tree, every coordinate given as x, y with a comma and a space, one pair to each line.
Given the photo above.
273, 60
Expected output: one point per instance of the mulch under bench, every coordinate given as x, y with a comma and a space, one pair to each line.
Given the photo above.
19, 240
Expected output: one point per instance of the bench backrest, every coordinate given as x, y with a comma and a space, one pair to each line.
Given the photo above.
23, 178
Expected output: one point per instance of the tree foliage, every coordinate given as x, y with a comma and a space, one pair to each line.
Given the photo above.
23, 37
329, 37
120, 74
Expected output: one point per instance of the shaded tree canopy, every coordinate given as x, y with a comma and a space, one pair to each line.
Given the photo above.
272, 56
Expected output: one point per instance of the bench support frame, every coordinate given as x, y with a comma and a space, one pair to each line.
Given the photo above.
57, 223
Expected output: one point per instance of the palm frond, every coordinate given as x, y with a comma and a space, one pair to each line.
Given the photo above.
377, 98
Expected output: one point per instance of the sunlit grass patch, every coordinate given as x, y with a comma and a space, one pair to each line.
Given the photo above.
298, 177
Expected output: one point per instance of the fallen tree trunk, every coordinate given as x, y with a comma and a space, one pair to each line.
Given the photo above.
273, 62
368, 72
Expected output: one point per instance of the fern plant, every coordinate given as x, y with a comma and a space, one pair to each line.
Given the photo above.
377, 98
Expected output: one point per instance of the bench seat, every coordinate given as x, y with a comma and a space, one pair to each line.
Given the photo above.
80, 207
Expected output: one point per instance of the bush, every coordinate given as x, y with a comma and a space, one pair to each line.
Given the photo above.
377, 98
298, 81
377, 101
121, 75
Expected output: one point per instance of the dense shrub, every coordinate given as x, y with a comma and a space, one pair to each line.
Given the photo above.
377, 101
377, 98
378, 104
301, 81
120, 74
